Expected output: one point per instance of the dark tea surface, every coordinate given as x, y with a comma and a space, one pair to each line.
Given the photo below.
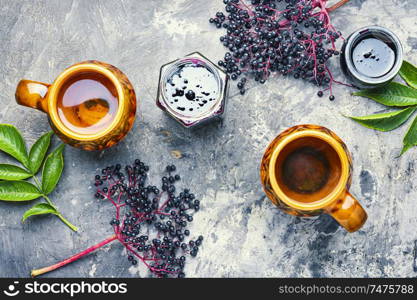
306, 170
87, 103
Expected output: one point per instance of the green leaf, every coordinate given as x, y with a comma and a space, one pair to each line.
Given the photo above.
10, 172
38, 152
52, 170
12, 143
409, 73
410, 138
18, 191
386, 121
392, 94
39, 209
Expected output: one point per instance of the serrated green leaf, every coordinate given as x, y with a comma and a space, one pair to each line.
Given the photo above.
410, 139
39, 209
52, 170
392, 94
11, 172
409, 73
18, 191
11, 142
385, 121
38, 152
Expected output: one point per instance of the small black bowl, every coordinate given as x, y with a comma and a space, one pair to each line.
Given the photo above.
359, 79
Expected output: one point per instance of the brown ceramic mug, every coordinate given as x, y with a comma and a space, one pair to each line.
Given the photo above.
90, 122
307, 171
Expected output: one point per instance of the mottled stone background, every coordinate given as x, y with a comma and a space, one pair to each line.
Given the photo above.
245, 235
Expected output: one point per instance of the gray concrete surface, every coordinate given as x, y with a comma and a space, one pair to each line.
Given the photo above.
246, 236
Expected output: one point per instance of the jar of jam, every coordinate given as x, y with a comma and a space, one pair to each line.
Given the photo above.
192, 90
371, 57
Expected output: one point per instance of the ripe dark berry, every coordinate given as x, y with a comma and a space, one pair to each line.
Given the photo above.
264, 38
331, 97
320, 93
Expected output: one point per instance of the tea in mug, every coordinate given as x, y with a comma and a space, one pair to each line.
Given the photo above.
308, 169
87, 103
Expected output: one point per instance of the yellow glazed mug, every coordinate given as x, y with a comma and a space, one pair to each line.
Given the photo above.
91, 105
307, 171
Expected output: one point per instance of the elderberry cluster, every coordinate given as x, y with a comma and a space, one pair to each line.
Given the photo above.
291, 37
153, 227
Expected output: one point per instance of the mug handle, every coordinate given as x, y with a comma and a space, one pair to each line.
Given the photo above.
348, 212
32, 94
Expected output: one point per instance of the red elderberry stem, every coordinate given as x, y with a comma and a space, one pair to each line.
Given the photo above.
67, 261
337, 5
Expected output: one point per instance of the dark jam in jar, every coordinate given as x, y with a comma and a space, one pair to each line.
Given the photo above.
192, 90
373, 57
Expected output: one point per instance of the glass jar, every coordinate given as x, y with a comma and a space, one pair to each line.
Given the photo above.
192, 90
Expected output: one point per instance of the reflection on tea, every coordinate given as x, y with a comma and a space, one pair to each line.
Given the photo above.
87, 103
192, 90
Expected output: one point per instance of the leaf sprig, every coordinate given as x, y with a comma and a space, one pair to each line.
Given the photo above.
394, 94
13, 186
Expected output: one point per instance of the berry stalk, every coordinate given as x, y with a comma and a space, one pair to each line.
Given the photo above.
153, 230
67, 261
337, 5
